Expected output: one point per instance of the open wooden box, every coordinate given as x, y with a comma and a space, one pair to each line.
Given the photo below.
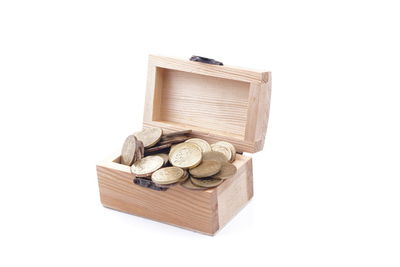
217, 103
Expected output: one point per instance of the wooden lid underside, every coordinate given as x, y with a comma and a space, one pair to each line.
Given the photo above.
216, 102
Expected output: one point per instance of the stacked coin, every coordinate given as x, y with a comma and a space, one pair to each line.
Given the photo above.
215, 167
173, 158
132, 150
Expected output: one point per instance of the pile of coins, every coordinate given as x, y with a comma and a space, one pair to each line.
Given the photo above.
174, 158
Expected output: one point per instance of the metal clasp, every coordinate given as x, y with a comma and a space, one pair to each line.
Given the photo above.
148, 184
206, 60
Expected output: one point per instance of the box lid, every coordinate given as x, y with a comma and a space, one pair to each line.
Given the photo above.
216, 102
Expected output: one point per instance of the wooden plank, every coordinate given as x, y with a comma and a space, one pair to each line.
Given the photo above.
235, 195
153, 93
231, 73
263, 110
150, 91
252, 112
113, 162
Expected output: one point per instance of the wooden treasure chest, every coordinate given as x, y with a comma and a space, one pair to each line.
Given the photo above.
218, 103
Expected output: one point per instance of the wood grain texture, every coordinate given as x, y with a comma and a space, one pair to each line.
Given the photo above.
151, 102
217, 102
227, 72
263, 110
195, 100
253, 103
234, 194
202, 211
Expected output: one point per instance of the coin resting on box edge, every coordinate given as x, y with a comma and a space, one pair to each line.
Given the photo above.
185, 155
167, 175
209, 183
147, 165
129, 150
206, 168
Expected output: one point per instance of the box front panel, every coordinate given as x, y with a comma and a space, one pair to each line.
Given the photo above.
204, 211
195, 210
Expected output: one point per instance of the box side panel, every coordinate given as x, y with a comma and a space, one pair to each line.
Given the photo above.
194, 210
263, 111
234, 193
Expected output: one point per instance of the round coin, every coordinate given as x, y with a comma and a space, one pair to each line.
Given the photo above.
149, 136
206, 168
189, 185
227, 171
139, 151
184, 177
147, 165
185, 155
224, 150
203, 144
230, 147
129, 150
214, 155
176, 145
168, 175
164, 157
208, 183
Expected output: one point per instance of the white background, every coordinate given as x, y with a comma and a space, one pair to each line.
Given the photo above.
72, 82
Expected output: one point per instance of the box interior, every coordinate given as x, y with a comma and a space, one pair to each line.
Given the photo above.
200, 102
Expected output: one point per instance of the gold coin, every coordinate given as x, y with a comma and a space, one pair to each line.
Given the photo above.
214, 155
189, 185
230, 147
175, 145
139, 151
149, 136
208, 183
168, 175
182, 180
223, 149
206, 168
203, 144
164, 157
184, 177
172, 148
129, 150
185, 155
147, 165
227, 171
